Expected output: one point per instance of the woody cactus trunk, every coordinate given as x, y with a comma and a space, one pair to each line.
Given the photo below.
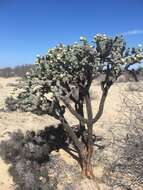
61, 81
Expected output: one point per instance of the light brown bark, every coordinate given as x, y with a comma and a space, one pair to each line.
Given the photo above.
85, 162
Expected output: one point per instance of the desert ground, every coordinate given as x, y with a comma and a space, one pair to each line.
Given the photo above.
13, 121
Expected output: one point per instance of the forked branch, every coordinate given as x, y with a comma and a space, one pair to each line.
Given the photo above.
74, 112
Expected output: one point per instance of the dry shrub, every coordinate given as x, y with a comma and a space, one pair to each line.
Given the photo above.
126, 171
137, 87
29, 157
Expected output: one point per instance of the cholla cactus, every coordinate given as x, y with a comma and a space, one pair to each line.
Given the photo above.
65, 74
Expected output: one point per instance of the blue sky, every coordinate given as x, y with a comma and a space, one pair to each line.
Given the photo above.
30, 27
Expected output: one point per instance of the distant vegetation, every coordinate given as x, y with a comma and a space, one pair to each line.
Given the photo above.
18, 71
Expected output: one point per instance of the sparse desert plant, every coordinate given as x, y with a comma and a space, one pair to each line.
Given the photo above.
132, 157
135, 87
61, 81
24, 157
11, 102
29, 157
126, 170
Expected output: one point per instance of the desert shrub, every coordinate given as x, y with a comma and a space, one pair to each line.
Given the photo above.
137, 87
126, 169
29, 157
132, 156
10, 104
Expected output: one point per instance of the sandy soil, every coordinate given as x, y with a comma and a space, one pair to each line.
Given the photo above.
10, 122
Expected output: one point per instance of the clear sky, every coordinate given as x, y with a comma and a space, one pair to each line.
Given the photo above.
30, 27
